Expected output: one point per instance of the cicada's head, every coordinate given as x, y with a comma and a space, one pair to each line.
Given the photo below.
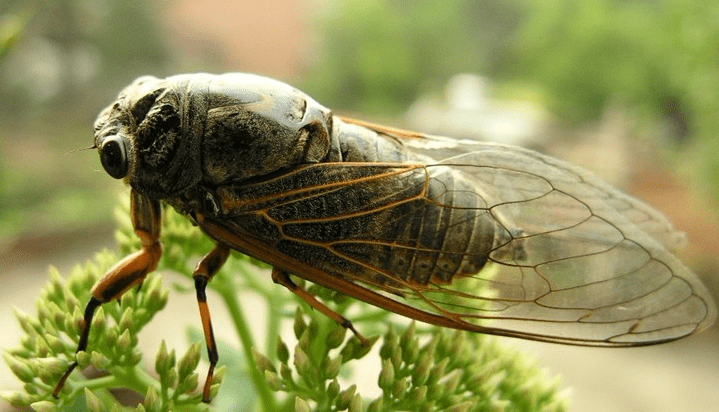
141, 139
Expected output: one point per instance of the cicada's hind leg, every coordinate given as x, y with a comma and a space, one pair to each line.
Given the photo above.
128, 272
206, 269
283, 278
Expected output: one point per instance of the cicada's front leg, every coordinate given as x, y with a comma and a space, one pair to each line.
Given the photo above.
128, 272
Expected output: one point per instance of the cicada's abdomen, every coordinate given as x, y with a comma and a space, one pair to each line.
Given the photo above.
443, 232
359, 144
439, 228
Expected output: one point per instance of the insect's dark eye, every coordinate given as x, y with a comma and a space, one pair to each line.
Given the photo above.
113, 155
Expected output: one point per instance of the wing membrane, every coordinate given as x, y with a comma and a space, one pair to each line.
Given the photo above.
569, 259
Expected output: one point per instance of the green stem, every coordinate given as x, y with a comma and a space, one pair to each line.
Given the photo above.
135, 378
273, 327
228, 293
274, 314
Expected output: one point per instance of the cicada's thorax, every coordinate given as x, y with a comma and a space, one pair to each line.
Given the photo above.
256, 126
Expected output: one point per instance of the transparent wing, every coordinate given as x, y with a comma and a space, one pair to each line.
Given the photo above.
648, 219
581, 262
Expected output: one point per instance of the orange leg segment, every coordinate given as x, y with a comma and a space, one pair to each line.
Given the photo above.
126, 273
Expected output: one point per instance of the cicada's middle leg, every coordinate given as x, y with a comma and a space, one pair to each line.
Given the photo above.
128, 272
206, 269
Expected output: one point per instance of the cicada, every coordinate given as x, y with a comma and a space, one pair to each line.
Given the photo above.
476, 236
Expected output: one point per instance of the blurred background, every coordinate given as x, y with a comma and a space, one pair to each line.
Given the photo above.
628, 89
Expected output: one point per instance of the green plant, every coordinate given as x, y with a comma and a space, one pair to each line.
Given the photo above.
423, 368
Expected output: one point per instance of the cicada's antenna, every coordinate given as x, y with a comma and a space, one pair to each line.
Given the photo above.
94, 146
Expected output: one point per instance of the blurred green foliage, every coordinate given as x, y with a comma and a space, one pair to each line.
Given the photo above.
657, 59
378, 56
12, 25
71, 53
660, 59
60, 61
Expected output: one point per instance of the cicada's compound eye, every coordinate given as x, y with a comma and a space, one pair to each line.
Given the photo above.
113, 155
